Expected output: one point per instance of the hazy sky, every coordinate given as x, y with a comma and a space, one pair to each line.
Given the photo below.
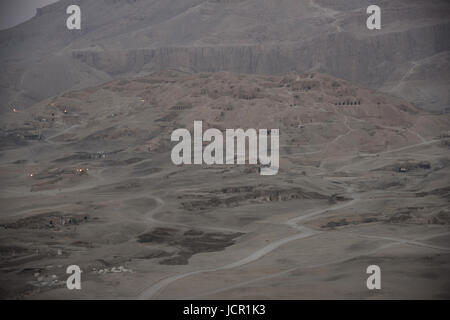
13, 12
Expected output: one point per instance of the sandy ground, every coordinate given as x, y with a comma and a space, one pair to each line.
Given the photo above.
141, 228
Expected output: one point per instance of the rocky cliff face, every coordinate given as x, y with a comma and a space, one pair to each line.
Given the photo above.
248, 36
367, 61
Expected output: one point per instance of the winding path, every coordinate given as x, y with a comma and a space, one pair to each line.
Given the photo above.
304, 232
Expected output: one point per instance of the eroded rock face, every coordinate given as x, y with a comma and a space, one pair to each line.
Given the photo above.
251, 36
186, 243
241, 197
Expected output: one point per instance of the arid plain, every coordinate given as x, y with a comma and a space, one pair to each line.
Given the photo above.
87, 179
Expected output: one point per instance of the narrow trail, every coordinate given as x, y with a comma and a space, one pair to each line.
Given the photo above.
423, 141
418, 135
329, 13
428, 142
303, 232
406, 241
324, 161
48, 139
408, 73
394, 242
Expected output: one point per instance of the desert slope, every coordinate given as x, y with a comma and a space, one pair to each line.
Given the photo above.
249, 36
88, 180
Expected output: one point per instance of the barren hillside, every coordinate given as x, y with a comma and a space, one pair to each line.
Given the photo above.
41, 58
87, 179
